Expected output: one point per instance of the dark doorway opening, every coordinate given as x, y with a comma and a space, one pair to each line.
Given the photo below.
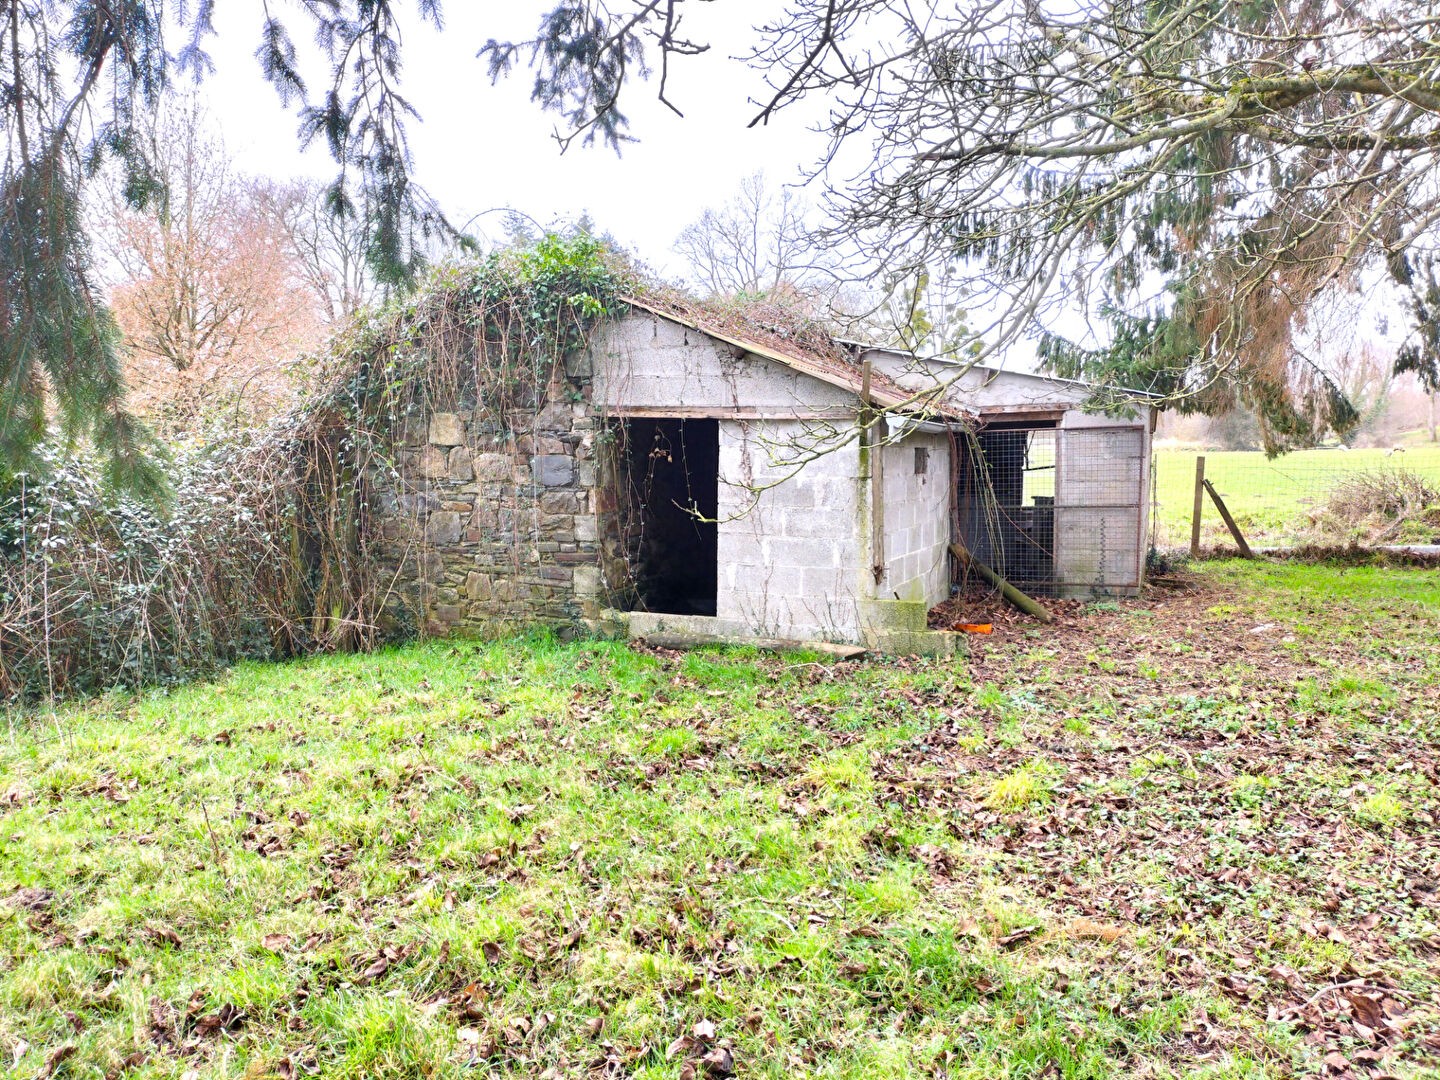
1006, 501
673, 481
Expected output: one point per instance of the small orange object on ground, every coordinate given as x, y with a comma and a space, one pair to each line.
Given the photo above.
975, 627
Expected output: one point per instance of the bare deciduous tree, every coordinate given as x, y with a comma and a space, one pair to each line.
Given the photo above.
751, 245
205, 289
329, 251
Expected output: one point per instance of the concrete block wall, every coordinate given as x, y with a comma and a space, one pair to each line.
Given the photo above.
644, 361
789, 541
916, 506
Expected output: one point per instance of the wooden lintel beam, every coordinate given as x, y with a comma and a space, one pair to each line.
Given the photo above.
704, 412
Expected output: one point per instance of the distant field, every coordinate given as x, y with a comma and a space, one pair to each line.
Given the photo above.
1271, 499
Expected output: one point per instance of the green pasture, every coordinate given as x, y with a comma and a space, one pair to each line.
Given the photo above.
1272, 499
1148, 844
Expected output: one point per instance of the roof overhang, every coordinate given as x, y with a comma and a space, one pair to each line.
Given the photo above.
882, 393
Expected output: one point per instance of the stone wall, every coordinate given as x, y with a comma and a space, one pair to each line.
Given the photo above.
493, 521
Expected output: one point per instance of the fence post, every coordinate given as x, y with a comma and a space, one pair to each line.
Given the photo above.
1245, 551
1199, 506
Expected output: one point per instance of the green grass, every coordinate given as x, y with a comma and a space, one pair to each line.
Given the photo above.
498, 859
1270, 499
1025, 787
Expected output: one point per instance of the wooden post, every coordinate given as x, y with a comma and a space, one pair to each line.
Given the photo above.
1245, 551
1028, 604
873, 436
1199, 505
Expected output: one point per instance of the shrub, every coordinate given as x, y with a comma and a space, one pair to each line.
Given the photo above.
264, 548
1376, 505
98, 590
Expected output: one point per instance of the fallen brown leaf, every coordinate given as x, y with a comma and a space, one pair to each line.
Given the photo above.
162, 935
53, 1062
1015, 937
719, 1062
378, 967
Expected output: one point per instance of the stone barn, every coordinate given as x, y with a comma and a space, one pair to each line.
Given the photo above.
681, 474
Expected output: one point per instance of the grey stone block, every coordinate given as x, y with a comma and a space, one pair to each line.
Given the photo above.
560, 502
588, 582
553, 470
443, 528
413, 429
434, 462
556, 416
447, 429
461, 467
494, 468
579, 365
478, 586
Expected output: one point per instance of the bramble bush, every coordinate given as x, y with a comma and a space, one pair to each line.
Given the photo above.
98, 589
1381, 506
261, 550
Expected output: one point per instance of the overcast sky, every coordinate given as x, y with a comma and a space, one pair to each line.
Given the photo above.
479, 147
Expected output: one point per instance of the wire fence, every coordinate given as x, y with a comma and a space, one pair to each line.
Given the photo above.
1057, 511
1328, 497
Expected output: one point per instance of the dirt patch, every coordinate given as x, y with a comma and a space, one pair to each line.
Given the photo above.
979, 606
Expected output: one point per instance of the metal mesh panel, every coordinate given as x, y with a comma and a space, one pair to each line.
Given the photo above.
1055, 511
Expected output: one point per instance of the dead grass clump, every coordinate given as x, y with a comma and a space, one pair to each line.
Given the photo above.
1377, 505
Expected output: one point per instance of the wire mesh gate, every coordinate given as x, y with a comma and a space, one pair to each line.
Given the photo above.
1056, 511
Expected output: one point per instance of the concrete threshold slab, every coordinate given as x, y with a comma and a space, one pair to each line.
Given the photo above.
697, 631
